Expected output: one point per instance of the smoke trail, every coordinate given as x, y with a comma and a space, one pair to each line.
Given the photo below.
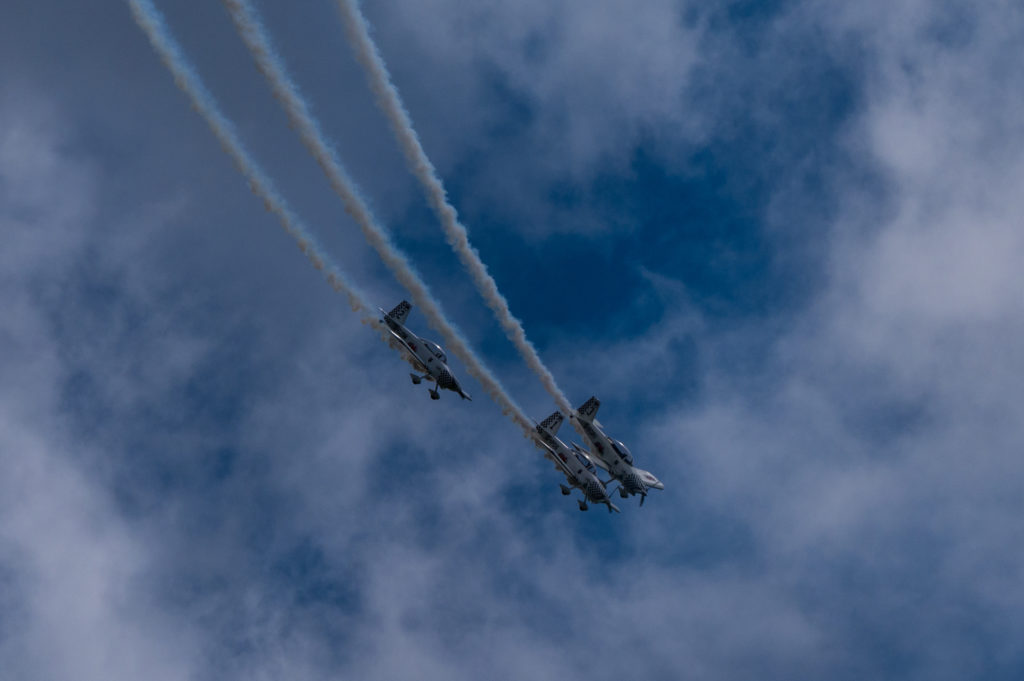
390, 103
152, 23
302, 120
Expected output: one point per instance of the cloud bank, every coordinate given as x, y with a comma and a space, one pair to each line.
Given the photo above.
185, 497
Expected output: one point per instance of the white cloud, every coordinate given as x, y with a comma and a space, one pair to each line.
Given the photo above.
862, 484
77, 608
594, 75
532, 96
79, 574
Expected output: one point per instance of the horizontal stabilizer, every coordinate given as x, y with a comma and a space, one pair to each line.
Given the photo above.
401, 312
588, 410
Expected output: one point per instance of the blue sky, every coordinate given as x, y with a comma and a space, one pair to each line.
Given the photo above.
781, 241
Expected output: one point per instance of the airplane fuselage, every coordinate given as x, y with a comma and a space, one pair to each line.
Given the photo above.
575, 466
425, 356
618, 459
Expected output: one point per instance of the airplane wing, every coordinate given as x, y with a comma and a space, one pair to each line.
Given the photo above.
588, 410
408, 354
557, 460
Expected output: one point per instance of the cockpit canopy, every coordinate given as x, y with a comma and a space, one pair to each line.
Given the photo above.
436, 350
623, 451
587, 463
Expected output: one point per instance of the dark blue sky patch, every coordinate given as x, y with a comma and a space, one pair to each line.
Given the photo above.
953, 24
686, 227
405, 476
748, 20
14, 613
885, 418
677, 381
895, 613
524, 495
703, 537
418, 232
700, 219
111, 340
511, 120
691, 230
310, 578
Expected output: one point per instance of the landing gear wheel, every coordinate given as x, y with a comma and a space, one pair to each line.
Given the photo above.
434, 395
622, 493
565, 490
583, 505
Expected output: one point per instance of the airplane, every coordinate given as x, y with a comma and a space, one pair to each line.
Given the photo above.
578, 468
612, 455
425, 356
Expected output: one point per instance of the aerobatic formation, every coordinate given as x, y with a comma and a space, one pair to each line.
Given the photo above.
579, 465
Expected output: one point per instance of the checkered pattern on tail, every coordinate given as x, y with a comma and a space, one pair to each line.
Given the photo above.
588, 410
400, 312
552, 423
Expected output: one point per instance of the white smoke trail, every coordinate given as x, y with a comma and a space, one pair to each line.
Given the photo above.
270, 66
152, 23
390, 103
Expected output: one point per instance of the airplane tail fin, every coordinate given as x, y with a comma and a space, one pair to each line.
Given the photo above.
401, 312
588, 410
552, 423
